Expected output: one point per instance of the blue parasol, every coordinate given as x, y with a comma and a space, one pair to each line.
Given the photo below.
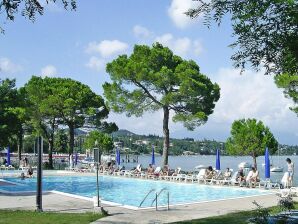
8, 156
118, 156
267, 164
153, 156
217, 160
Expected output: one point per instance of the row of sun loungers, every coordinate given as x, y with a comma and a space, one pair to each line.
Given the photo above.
217, 178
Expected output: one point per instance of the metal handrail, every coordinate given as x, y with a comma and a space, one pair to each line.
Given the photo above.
157, 194
146, 197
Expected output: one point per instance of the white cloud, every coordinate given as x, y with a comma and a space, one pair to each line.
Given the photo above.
165, 39
249, 95
49, 71
107, 48
141, 32
182, 46
177, 10
8, 67
98, 64
197, 47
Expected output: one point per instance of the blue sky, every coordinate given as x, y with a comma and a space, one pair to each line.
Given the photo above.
78, 45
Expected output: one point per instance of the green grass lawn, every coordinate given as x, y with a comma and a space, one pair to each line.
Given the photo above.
31, 217
232, 218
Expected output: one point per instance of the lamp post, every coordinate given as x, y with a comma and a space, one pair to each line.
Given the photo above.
39, 174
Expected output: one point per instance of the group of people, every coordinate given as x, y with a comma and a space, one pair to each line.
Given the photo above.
110, 167
29, 173
253, 175
244, 179
156, 171
251, 179
165, 171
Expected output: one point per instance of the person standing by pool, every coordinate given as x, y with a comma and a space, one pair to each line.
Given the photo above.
290, 171
30, 171
70, 161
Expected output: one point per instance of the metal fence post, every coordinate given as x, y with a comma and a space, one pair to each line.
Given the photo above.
156, 201
97, 184
168, 200
39, 175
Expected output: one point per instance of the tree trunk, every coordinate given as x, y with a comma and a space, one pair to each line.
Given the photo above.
166, 133
255, 161
20, 144
71, 139
51, 144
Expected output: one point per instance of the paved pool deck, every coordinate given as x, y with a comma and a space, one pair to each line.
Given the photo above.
54, 202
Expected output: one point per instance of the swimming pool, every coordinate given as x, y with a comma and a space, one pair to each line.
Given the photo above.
130, 192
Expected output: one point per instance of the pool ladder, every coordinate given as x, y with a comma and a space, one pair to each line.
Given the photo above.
157, 194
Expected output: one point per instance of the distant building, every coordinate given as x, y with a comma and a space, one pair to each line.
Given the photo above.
119, 144
141, 142
188, 153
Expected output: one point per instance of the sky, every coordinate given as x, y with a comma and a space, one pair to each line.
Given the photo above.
78, 44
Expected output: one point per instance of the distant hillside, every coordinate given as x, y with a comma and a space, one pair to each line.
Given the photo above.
123, 132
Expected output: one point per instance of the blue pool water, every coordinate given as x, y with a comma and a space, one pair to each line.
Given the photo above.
132, 191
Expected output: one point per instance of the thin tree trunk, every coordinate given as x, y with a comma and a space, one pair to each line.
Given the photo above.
255, 161
166, 133
71, 139
20, 144
51, 145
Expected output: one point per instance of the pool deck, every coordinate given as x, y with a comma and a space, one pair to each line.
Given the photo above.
60, 203
54, 202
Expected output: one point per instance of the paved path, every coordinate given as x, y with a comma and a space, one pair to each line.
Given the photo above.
61, 203
51, 202
188, 212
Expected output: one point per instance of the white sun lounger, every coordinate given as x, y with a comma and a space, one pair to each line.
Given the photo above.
174, 176
10, 167
156, 173
191, 178
201, 176
2, 167
293, 191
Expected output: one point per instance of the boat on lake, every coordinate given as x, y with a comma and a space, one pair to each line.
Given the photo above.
277, 168
244, 165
